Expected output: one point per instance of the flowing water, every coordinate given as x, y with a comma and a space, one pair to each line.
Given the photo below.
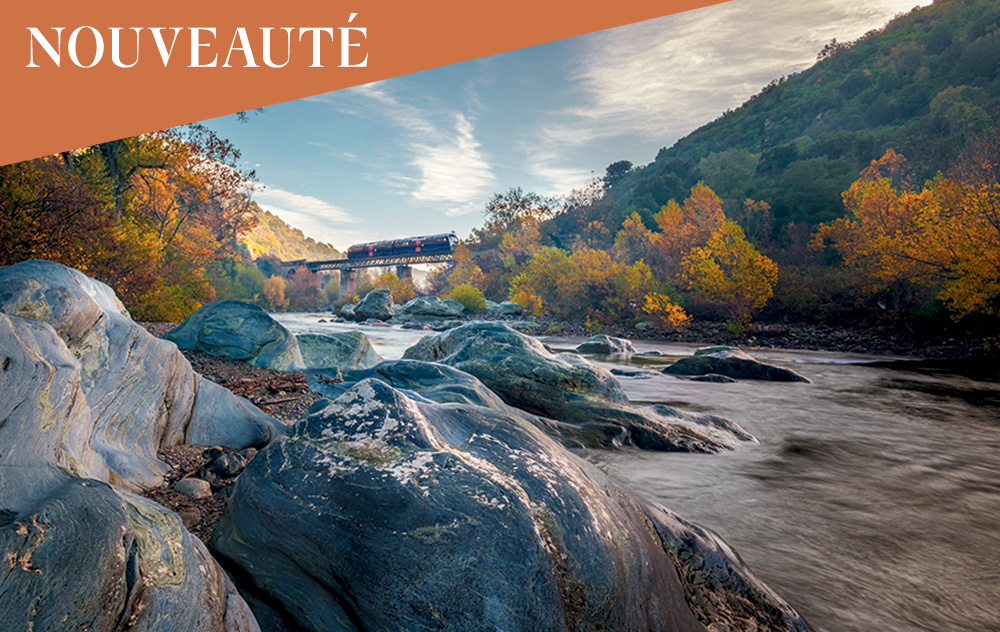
871, 502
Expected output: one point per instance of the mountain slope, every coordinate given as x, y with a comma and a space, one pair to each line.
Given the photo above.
924, 84
272, 236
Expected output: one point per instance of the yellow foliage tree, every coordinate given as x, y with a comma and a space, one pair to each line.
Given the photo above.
730, 273
465, 272
633, 242
665, 311
402, 290
274, 294
945, 236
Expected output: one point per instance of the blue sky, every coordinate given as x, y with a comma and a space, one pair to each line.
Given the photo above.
423, 153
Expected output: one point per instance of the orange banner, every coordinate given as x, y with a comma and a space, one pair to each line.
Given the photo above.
80, 73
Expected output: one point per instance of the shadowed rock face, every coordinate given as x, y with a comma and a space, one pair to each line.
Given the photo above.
78, 553
377, 304
140, 391
587, 401
733, 363
414, 515
343, 350
240, 331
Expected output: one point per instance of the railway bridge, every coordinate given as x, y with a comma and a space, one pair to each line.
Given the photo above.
348, 267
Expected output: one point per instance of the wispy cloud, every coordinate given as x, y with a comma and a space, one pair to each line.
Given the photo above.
314, 217
658, 80
451, 169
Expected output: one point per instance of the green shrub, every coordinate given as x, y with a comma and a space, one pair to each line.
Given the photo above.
470, 297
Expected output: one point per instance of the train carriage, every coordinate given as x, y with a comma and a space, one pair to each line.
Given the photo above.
426, 244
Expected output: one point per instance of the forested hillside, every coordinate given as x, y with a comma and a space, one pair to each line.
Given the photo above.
863, 189
923, 85
272, 236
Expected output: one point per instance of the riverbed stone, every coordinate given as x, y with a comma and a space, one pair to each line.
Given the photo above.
344, 350
376, 305
602, 344
82, 554
415, 515
585, 400
193, 487
433, 306
240, 331
731, 362
139, 391
509, 308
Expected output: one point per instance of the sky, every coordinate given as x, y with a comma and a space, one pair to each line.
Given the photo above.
423, 153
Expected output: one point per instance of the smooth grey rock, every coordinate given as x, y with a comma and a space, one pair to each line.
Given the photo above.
492, 307
90, 557
605, 345
376, 305
413, 515
193, 487
241, 331
223, 466
645, 325
419, 380
733, 363
347, 311
140, 392
509, 308
564, 387
433, 306
344, 350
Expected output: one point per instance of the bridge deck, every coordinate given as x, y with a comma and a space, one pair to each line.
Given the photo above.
371, 262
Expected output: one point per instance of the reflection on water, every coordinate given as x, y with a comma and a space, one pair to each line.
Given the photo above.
872, 501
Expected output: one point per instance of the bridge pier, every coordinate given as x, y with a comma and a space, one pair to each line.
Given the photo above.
404, 272
348, 282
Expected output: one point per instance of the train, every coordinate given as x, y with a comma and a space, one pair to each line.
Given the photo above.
427, 244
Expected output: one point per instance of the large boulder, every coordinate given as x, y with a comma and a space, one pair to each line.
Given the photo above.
428, 380
79, 553
337, 350
377, 305
414, 515
433, 306
605, 345
509, 308
731, 362
140, 392
241, 331
587, 400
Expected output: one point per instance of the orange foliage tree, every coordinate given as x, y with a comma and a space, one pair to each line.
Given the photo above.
586, 283
684, 227
730, 273
945, 236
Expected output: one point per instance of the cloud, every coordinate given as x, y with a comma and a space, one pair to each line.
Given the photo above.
655, 81
441, 144
453, 171
316, 218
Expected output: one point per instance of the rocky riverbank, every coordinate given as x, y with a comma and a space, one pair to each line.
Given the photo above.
879, 340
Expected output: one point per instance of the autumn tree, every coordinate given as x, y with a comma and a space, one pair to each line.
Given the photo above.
506, 212
945, 236
730, 273
402, 290
682, 227
634, 242
274, 294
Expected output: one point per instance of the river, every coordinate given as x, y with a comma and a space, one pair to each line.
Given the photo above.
871, 502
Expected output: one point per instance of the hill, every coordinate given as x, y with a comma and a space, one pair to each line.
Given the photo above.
272, 236
924, 84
